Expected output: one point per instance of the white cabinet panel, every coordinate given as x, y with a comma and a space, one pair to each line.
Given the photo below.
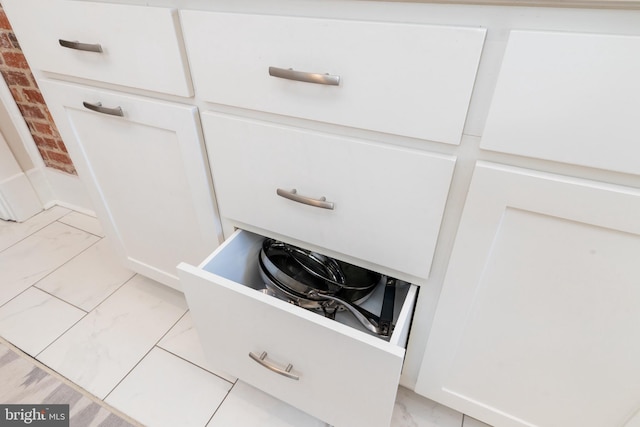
406, 79
346, 376
538, 319
572, 98
146, 173
388, 201
140, 46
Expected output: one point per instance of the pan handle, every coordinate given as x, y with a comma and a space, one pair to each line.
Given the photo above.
367, 319
261, 359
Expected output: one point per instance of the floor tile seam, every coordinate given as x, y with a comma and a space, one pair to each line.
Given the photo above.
42, 290
148, 351
85, 315
137, 362
133, 274
77, 227
221, 403
57, 297
128, 373
171, 353
70, 259
194, 364
60, 336
155, 345
62, 333
30, 234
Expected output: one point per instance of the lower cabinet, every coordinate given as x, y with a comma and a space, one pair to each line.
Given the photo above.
144, 166
537, 320
333, 369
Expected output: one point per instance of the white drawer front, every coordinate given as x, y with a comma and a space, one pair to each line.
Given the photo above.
388, 201
140, 45
347, 377
570, 98
413, 80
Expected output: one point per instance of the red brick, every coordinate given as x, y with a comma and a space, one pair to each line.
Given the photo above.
4, 21
59, 157
63, 147
45, 143
30, 111
33, 95
5, 41
16, 78
17, 94
15, 60
42, 127
14, 40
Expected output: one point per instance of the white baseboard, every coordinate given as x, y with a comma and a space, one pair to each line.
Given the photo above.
57, 188
18, 199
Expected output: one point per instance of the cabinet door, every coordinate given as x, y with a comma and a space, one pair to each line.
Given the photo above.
539, 318
146, 174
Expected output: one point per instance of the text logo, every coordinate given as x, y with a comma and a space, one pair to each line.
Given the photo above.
34, 415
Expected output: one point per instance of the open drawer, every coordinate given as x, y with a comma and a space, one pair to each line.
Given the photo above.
345, 375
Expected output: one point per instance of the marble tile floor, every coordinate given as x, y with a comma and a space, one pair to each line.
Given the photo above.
66, 301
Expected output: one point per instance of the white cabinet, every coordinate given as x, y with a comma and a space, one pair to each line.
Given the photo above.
405, 79
143, 163
538, 317
568, 97
375, 204
378, 194
342, 374
133, 46
375, 195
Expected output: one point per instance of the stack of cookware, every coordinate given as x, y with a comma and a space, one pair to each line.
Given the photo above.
316, 282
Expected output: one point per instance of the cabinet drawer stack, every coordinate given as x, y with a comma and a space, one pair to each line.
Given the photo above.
282, 96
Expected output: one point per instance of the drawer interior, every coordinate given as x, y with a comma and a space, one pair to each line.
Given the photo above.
237, 261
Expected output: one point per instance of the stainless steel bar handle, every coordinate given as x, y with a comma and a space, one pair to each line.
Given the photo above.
303, 76
293, 195
88, 47
261, 359
115, 111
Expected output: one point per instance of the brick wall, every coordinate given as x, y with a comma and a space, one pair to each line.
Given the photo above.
16, 73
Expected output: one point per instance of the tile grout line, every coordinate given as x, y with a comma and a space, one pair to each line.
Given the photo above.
35, 285
70, 259
194, 364
221, 403
86, 314
77, 227
145, 355
157, 344
45, 225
